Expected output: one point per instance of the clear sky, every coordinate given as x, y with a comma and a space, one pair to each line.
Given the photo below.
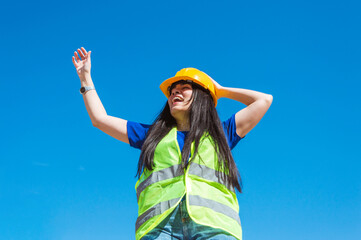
63, 179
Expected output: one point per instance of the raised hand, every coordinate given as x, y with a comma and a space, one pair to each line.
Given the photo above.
217, 86
81, 61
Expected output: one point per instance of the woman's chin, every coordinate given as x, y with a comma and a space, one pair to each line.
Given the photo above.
178, 112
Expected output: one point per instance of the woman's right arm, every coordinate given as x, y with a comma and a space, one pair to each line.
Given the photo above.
115, 127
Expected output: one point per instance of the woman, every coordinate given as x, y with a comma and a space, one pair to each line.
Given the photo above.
187, 175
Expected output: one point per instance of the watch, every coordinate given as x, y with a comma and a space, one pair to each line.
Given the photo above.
86, 88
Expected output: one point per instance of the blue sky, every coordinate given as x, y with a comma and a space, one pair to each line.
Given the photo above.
63, 179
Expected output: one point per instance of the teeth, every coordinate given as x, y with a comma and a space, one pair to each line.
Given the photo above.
177, 98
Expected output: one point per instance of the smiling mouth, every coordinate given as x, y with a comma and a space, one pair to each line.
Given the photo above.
177, 99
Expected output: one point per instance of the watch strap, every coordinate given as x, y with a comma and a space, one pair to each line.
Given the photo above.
86, 88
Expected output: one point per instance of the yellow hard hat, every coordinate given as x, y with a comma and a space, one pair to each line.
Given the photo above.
193, 75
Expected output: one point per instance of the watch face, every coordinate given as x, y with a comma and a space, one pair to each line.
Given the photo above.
82, 89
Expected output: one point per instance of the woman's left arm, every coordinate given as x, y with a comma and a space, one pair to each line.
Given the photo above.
257, 105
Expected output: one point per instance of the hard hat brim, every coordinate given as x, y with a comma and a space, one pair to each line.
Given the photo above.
167, 83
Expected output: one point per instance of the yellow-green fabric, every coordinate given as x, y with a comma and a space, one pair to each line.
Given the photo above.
210, 201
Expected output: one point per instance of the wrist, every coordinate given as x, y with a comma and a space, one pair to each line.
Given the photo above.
85, 80
84, 75
85, 89
221, 92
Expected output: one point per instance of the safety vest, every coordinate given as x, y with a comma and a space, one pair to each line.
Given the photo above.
209, 200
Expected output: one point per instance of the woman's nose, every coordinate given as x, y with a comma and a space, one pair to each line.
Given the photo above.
175, 91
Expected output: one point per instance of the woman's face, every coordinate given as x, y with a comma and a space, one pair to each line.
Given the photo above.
180, 99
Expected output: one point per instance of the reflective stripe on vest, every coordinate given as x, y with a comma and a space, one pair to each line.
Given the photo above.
215, 206
176, 170
208, 174
154, 211
210, 201
166, 173
193, 200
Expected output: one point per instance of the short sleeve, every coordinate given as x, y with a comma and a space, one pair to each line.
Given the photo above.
137, 133
229, 127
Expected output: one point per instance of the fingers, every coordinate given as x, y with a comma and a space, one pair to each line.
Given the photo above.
74, 62
83, 51
77, 56
82, 55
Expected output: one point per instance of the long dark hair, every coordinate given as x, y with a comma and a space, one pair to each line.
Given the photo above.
203, 118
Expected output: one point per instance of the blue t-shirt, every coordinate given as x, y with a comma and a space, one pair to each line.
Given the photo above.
138, 131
